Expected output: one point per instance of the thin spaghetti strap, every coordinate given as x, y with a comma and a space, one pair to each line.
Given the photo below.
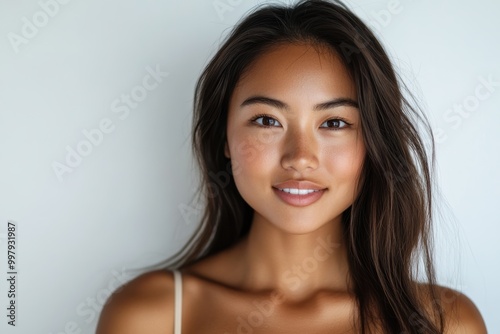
178, 302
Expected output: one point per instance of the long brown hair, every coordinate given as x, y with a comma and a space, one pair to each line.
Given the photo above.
388, 225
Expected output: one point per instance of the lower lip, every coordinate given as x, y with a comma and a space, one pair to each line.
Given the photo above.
299, 200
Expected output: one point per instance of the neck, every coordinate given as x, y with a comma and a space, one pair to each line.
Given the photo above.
296, 265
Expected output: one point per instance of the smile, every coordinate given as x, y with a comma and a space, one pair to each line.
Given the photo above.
298, 197
298, 191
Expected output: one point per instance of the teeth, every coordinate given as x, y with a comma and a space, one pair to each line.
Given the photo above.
294, 191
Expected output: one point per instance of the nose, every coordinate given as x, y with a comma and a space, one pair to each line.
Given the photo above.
300, 151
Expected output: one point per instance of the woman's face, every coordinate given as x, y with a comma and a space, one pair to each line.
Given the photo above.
302, 142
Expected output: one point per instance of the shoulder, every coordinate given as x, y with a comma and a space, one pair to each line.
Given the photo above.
460, 314
143, 305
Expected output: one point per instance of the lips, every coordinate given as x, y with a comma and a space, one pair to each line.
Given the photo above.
295, 195
299, 200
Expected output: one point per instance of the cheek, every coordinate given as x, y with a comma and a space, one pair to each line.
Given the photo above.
253, 149
253, 159
345, 161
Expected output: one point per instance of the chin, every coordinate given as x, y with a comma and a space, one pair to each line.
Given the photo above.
298, 226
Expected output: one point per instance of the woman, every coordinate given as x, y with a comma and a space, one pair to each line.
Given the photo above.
318, 193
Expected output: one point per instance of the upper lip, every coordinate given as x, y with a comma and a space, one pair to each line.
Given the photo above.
296, 184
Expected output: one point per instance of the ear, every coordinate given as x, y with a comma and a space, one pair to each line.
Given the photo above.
226, 150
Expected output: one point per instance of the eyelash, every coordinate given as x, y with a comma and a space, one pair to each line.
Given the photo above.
256, 117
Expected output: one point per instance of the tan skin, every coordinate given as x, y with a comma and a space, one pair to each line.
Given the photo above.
293, 262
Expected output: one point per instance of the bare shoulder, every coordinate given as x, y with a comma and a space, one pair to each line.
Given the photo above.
143, 305
460, 313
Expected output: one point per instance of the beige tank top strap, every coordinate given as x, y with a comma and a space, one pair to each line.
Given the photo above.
178, 302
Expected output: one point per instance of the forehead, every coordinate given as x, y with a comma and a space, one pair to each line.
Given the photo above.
289, 70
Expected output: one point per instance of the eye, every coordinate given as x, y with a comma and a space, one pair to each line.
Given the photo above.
336, 124
266, 121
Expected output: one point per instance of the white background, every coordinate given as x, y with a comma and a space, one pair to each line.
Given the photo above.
121, 207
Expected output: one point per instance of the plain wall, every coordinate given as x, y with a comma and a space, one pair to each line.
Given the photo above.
127, 202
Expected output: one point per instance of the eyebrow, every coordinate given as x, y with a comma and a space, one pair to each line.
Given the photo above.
337, 102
